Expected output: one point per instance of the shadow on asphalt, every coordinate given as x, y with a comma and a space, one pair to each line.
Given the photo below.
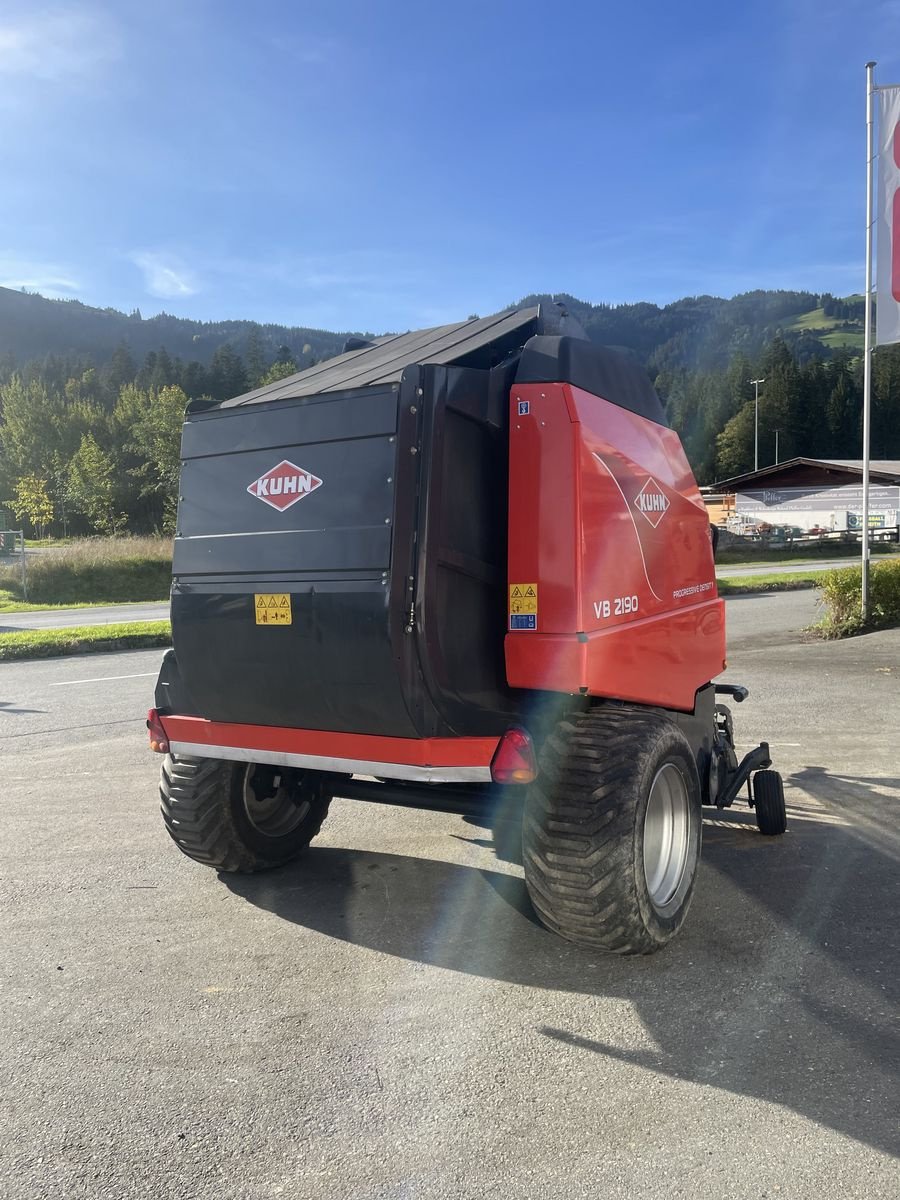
783, 985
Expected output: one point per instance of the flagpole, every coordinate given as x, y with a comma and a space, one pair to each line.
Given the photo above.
867, 359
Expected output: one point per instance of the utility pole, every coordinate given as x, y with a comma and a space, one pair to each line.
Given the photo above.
777, 431
756, 383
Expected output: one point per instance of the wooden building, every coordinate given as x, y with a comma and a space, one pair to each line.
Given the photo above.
811, 494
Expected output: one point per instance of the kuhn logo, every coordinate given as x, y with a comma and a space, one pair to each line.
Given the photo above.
284, 485
652, 501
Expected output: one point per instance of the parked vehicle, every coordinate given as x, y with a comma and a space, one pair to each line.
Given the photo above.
446, 569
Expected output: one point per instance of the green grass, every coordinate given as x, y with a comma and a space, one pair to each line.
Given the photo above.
85, 639
94, 571
743, 556
839, 338
11, 604
827, 330
814, 319
798, 581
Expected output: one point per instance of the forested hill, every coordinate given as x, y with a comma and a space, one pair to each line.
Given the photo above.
92, 400
706, 333
700, 332
31, 327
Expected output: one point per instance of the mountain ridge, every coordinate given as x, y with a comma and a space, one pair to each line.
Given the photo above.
695, 332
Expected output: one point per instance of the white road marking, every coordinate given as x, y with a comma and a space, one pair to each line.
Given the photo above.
104, 679
773, 745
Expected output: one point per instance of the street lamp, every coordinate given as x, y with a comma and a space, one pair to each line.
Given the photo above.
756, 383
777, 431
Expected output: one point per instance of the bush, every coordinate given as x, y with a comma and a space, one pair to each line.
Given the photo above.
96, 571
841, 595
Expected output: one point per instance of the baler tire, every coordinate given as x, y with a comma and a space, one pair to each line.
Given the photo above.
768, 803
203, 809
584, 826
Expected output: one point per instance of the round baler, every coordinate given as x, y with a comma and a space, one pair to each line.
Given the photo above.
465, 569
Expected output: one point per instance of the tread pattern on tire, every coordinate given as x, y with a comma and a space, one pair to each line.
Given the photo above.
768, 802
579, 828
196, 801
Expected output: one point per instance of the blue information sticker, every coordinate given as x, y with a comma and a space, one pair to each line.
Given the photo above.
524, 408
523, 621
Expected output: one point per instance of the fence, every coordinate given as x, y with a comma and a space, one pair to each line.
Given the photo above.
12, 545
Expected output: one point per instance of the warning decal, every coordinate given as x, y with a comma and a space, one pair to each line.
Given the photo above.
273, 608
523, 605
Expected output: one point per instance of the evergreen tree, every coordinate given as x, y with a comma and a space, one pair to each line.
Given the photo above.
120, 370
253, 356
734, 445
843, 410
163, 373
145, 374
886, 402
195, 380
227, 377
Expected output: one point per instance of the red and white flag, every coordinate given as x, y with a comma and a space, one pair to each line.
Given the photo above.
887, 323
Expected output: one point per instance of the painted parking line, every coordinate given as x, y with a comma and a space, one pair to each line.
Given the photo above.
104, 679
773, 745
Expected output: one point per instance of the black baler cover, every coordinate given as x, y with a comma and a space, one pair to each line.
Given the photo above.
396, 565
481, 342
596, 369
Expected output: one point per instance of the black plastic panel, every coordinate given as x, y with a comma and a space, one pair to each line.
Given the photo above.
344, 524
602, 372
326, 418
461, 597
335, 666
364, 547
332, 668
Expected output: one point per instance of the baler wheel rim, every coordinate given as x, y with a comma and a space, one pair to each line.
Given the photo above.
667, 835
276, 815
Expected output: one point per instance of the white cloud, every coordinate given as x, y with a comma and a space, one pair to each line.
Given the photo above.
50, 279
164, 276
57, 43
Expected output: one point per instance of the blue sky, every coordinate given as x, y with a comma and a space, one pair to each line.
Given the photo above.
360, 165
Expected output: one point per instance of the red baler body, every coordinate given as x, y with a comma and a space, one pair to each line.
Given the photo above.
609, 532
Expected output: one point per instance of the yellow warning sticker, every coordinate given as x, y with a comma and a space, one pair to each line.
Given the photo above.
523, 598
273, 608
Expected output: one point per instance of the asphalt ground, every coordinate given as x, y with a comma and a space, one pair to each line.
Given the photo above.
64, 618
729, 572
386, 1019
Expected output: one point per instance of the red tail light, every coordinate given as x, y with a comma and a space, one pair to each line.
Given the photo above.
514, 760
159, 740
